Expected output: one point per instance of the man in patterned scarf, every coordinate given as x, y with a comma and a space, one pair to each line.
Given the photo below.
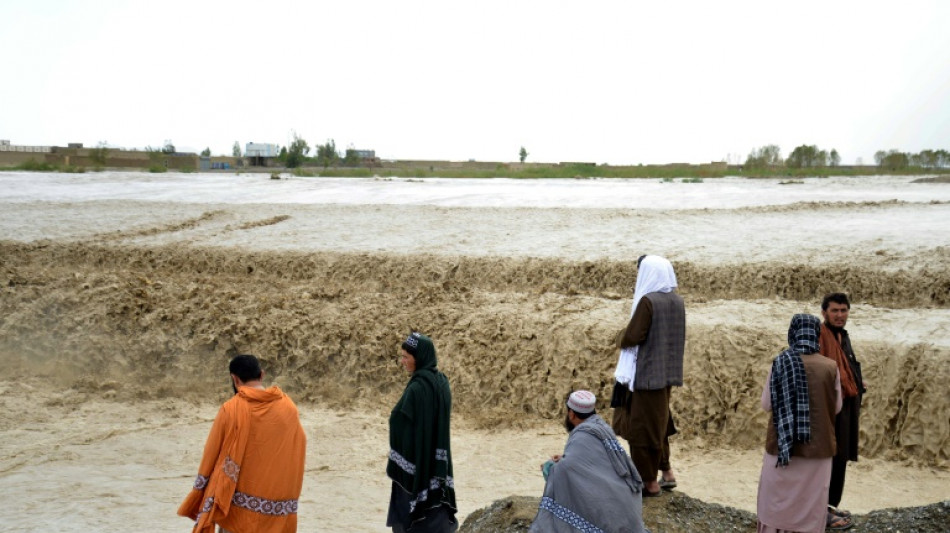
420, 455
803, 393
251, 473
593, 486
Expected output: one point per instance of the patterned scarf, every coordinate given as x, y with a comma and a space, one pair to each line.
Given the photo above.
789, 386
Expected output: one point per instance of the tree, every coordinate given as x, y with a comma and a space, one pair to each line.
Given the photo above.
523, 154
169, 148
894, 160
806, 156
835, 158
297, 151
766, 156
879, 158
327, 154
929, 158
236, 149
206, 152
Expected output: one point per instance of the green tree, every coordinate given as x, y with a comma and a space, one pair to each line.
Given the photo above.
99, 154
894, 160
523, 154
169, 148
879, 157
766, 156
327, 154
297, 152
206, 152
806, 156
835, 158
236, 149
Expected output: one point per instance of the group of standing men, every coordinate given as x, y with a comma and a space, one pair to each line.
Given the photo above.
815, 407
251, 471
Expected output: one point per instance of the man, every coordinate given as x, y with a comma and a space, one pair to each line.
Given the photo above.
802, 393
835, 344
251, 472
651, 363
593, 485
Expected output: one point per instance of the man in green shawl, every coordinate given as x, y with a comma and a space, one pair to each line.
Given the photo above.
420, 455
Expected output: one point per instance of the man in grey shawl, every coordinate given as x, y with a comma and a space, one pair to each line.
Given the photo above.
593, 486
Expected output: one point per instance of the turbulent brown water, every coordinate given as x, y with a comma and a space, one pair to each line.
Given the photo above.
514, 334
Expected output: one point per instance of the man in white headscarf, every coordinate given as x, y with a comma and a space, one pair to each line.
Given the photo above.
651, 363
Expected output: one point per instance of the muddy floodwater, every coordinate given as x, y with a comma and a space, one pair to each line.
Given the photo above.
123, 295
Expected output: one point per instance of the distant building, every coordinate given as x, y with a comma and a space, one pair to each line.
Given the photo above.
362, 157
260, 154
5, 146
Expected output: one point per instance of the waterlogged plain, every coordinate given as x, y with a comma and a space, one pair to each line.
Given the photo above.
112, 276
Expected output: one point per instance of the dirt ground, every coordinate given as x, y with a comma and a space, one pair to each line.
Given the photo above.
117, 319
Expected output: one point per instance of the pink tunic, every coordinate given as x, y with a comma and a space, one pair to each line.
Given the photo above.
793, 498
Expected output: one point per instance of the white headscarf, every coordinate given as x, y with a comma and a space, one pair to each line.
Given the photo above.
655, 274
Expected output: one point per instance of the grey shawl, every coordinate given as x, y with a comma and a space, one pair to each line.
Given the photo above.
594, 487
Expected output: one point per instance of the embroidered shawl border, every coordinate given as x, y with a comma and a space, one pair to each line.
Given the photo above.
568, 516
409, 468
256, 504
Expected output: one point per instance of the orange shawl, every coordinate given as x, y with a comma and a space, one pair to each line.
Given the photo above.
260, 473
830, 347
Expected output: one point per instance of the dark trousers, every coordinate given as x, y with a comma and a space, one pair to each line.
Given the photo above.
838, 467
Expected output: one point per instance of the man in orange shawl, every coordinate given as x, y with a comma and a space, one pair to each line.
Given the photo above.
251, 472
835, 344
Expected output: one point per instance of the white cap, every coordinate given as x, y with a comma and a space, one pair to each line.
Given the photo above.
582, 401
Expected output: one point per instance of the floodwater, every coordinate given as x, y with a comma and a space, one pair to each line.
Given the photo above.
718, 193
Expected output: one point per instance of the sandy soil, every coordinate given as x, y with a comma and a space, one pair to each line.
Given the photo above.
120, 317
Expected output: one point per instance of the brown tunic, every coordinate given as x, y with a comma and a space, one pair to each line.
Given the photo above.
822, 403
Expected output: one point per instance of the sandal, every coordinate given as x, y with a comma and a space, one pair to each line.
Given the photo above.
839, 512
648, 494
667, 484
838, 523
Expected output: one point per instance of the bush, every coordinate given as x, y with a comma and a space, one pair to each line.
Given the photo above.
36, 166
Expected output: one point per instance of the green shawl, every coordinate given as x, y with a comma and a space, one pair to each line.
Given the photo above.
420, 457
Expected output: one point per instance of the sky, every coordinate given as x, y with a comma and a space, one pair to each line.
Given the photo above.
615, 82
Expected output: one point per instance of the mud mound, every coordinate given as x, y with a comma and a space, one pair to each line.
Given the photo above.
513, 335
676, 512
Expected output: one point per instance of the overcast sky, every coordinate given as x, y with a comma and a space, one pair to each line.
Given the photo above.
607, 82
